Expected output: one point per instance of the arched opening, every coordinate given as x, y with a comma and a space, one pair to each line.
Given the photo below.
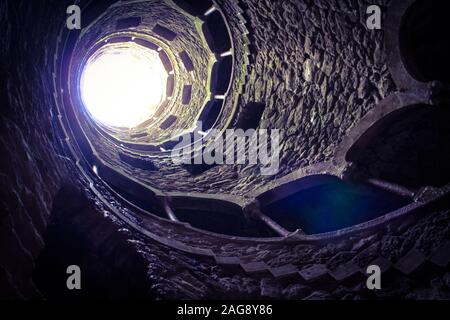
209, 114
166, 124
329, 204
187, 61
221, 76
194, 7
127, 23
187, 94
164, 32
424, 49
216, 33
409, 148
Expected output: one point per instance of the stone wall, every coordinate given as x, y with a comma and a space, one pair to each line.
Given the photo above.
31, 168
317, 70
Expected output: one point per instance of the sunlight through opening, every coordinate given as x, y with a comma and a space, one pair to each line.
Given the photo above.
123, 84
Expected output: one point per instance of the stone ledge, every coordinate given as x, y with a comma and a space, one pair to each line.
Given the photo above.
285, 271
441, 257
348, 273
315, 273
227, 261
255, 267
411, 263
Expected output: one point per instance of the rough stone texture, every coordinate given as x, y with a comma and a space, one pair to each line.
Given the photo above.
31, 170
318, 70
316, 91
175, 279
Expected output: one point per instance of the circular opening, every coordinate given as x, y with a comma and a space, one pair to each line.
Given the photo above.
122, 84
425, 49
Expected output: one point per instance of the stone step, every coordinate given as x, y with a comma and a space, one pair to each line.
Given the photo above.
441, 257
411, 263
348, 274
315, 273
285, 271
255, 267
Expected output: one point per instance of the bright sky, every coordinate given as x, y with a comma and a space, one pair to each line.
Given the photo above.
123, 85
